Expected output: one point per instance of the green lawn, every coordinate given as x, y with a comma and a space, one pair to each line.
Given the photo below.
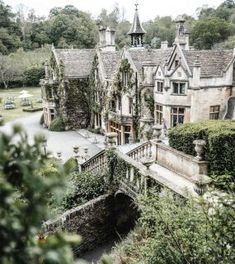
9, 115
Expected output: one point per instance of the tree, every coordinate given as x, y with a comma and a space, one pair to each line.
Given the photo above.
162, 28
9, 30
208, 31
25, 192
71, 27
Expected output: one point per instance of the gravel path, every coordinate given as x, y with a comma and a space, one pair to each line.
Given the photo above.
56, 141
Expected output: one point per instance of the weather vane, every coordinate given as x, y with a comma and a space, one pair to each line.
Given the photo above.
136, 5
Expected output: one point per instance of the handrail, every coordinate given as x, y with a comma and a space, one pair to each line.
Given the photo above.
93, 157
141, 151
96, 163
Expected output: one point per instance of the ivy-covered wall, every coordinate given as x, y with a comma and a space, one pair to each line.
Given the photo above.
75, 107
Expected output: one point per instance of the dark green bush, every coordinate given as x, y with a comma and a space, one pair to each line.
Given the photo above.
57, 125
220, 143
32, 110
70, 165
86, 186
33, 75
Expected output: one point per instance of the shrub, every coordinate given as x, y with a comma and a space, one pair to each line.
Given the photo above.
70, 165
57, 125
85, 187
220, 143
26, 179
33, 75
171, 230
41, 122
32, 110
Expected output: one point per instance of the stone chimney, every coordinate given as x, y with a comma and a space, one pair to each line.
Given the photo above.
107, 39
182, 35
164, 45
196, 74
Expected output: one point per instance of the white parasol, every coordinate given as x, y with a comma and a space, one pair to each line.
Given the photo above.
25, 95
23, 92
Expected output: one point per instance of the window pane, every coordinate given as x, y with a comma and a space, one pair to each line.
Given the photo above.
181, 110
181, 119
182, 88
174, 110
175, 87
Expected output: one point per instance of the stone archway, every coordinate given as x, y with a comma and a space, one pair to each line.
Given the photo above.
126, 212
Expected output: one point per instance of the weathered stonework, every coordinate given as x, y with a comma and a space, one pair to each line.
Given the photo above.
94, 221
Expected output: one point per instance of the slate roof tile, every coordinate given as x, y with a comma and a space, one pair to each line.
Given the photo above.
77, 62
213, 62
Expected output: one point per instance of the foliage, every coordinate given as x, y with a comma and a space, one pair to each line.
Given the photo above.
22, 68
70, 165
71, 27
208, 31
83, 187
32, 110
161, 27
33, 75
9, 30
125, 68
220, 143
23, 203
171, 230
77, 100
57, 125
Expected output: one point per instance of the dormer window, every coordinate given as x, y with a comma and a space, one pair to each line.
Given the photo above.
176, 63
179, 87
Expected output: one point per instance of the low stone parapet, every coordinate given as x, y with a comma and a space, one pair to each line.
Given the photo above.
179, 162
93, 221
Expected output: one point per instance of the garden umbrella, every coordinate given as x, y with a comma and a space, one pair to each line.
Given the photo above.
25, 95
23, 92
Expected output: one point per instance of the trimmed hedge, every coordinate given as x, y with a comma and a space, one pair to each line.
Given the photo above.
32, 110
220, 143
57, 125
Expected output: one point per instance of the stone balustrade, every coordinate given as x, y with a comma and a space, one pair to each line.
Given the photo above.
142, 151
96, 163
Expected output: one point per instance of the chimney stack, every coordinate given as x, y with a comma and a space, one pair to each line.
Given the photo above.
107, 39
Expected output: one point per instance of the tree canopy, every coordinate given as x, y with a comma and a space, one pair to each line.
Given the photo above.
69, 27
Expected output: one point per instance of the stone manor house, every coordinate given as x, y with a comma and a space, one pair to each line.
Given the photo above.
130, 90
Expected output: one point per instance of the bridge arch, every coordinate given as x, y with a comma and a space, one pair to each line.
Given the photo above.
126, 212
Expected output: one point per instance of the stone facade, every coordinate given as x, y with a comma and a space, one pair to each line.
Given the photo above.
130, 90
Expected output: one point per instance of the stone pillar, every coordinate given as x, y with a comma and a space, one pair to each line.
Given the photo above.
111, 139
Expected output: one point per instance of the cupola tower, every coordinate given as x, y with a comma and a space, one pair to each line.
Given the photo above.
136, 31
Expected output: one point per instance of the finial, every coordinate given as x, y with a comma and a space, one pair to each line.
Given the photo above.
136, 6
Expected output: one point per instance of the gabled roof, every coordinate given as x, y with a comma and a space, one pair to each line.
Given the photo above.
136, 27
156, 56
213, 62
77, 62
160, 56
110, 61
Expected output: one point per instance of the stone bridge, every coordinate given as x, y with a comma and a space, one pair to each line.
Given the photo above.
153, 163
148, 164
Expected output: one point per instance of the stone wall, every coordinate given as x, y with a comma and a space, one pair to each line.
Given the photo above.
179, 162
94, 221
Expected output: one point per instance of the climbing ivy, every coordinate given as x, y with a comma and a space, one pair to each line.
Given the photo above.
125, 67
